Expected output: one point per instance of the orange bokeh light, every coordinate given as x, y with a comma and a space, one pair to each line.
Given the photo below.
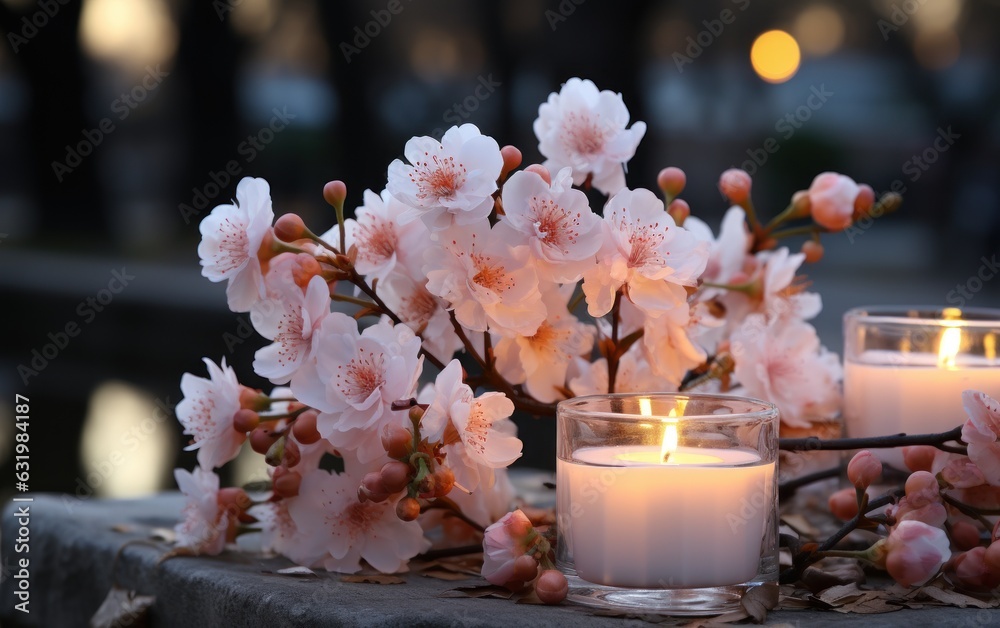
775, 56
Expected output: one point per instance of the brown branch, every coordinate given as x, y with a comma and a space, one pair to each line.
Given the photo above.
813, 443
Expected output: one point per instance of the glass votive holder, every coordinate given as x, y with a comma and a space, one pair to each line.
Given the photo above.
905, 369
666, 502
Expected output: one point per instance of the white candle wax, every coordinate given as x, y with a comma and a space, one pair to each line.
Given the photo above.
887, 392
697, 521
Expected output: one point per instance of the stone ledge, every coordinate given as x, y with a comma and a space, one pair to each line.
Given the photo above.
73, 545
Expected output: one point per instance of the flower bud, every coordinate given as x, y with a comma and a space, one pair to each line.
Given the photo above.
396, 475
865, 200
304, 428
305, 268
245, 420
287, 484
511, 159
252, 399
541, 171
672, 181
396, 440
864, 469
551, 587
992, 557
679, 210
800, 204
335, 193
971, 570
289, 228
965, 535
525, 568
914, 552
831, 200
919, 457
922, 489
844, 504
291, 455
735, 185
813, 251
235, 497
372, 482
261, 439
408, 509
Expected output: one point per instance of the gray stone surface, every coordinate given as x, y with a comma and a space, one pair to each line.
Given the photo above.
74, 543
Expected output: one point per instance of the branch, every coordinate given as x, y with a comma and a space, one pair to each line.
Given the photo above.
787, 489
813, 443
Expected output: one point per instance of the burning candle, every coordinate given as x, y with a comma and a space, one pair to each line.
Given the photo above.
905, 369
666, 491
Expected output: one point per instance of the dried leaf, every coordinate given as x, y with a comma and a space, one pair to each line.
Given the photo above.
818, 578
954, 598
840, 595
528, 596
756, 601
377, 578
123, 527
486, 590
122, 608
800, 525
296, 571
444, 574
871, 602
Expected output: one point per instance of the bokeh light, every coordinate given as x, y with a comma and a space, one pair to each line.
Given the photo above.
819, 29
775, 56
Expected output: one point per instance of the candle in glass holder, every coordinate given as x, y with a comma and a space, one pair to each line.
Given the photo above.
692, 510
905, 369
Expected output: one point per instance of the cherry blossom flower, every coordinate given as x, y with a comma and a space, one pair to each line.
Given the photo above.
783, 362
780, 296
486, 281
204, 526
584, 128
383, 242
451, 181
555, 221
423, 312
980, 432
634, 375
668, 344
353, 379
831, 199
914, 552
230, 238
288, 317
484, 436
645, 253
727, 253
330, 520
864, 469
206, 412
503, 542
540, 361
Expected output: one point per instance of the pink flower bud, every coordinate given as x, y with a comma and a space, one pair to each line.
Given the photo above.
844, 504
864, 469
922, 489
735, 185
831, 200
865, 200
672, 181
541, 171
919, 457
289, 228
335, 193
679, 210
915, 552
511, 159
972, 571
503, 543
965, 535
551, 587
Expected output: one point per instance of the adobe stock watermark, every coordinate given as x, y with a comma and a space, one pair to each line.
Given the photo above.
122, 107
247, 150
708, 35
87, 311
32, 25
899, 15
366, 33
968, 289
787, 126
129, 441
565, 9
914, 168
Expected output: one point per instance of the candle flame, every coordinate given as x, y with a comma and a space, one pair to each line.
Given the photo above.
951, 342
669, 445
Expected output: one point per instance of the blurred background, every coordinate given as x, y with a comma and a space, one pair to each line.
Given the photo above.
124, 122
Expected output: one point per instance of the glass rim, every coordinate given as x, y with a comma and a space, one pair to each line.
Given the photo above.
763, 409
926, 315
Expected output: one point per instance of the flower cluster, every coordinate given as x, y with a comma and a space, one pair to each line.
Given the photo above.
483, 289
939, 523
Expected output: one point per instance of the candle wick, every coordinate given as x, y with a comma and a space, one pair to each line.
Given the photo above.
666, 457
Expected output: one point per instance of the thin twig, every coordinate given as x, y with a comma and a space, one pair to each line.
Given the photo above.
813, 443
